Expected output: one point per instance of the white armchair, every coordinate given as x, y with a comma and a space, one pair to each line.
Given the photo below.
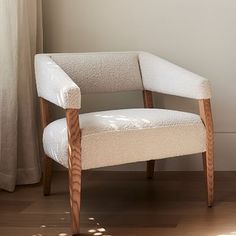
114, 137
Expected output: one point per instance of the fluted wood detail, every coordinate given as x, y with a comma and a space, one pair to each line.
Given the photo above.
47, 161
74, 164
148, 103
208, 156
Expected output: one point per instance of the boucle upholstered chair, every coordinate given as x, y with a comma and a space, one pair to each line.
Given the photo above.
109, 138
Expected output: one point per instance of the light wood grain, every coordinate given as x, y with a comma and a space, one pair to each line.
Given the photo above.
47, 161
208, 156
148, 103
74, 159
147, 99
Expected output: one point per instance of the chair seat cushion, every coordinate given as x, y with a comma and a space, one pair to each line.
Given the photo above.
129, 135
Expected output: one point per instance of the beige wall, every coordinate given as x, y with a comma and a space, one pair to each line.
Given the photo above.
197, 34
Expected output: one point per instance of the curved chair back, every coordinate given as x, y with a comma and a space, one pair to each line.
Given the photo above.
102, 72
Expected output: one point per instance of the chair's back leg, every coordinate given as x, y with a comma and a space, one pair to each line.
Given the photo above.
47, 161
148, 103
47, 175
208, 156
74, 161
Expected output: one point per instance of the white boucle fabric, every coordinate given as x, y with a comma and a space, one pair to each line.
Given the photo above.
54, 85
102, 72
162, 76
61, 77
129, 135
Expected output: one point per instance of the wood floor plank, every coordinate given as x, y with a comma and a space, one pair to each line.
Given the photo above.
124, 204
16, 206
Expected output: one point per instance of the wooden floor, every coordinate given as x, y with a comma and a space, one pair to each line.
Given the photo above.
173, 204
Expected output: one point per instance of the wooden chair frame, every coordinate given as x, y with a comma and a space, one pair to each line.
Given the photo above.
74, 155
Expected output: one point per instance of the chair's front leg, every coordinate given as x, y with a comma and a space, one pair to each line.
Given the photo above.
208, 156
74, 159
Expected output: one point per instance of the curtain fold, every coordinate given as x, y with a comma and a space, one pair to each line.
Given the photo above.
20, 40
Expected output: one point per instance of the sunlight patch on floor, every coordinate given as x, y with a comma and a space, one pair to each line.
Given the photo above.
229, 234
97, 230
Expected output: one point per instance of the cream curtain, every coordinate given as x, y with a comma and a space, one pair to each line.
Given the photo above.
20, 39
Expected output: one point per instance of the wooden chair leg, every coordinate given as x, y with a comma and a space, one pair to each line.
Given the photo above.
48, 162
47, 175
150, 169
74, 168
209, 176
148, 103
208, 156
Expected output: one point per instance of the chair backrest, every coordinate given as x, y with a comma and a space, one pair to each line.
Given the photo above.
102, 72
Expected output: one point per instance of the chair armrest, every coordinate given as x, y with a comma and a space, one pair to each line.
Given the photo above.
54, 85
162, 76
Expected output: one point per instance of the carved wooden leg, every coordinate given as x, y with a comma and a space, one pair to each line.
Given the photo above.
150, 169
47, 175
208, 156
74, 159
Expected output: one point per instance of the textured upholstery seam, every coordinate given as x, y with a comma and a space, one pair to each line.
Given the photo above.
147, 128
